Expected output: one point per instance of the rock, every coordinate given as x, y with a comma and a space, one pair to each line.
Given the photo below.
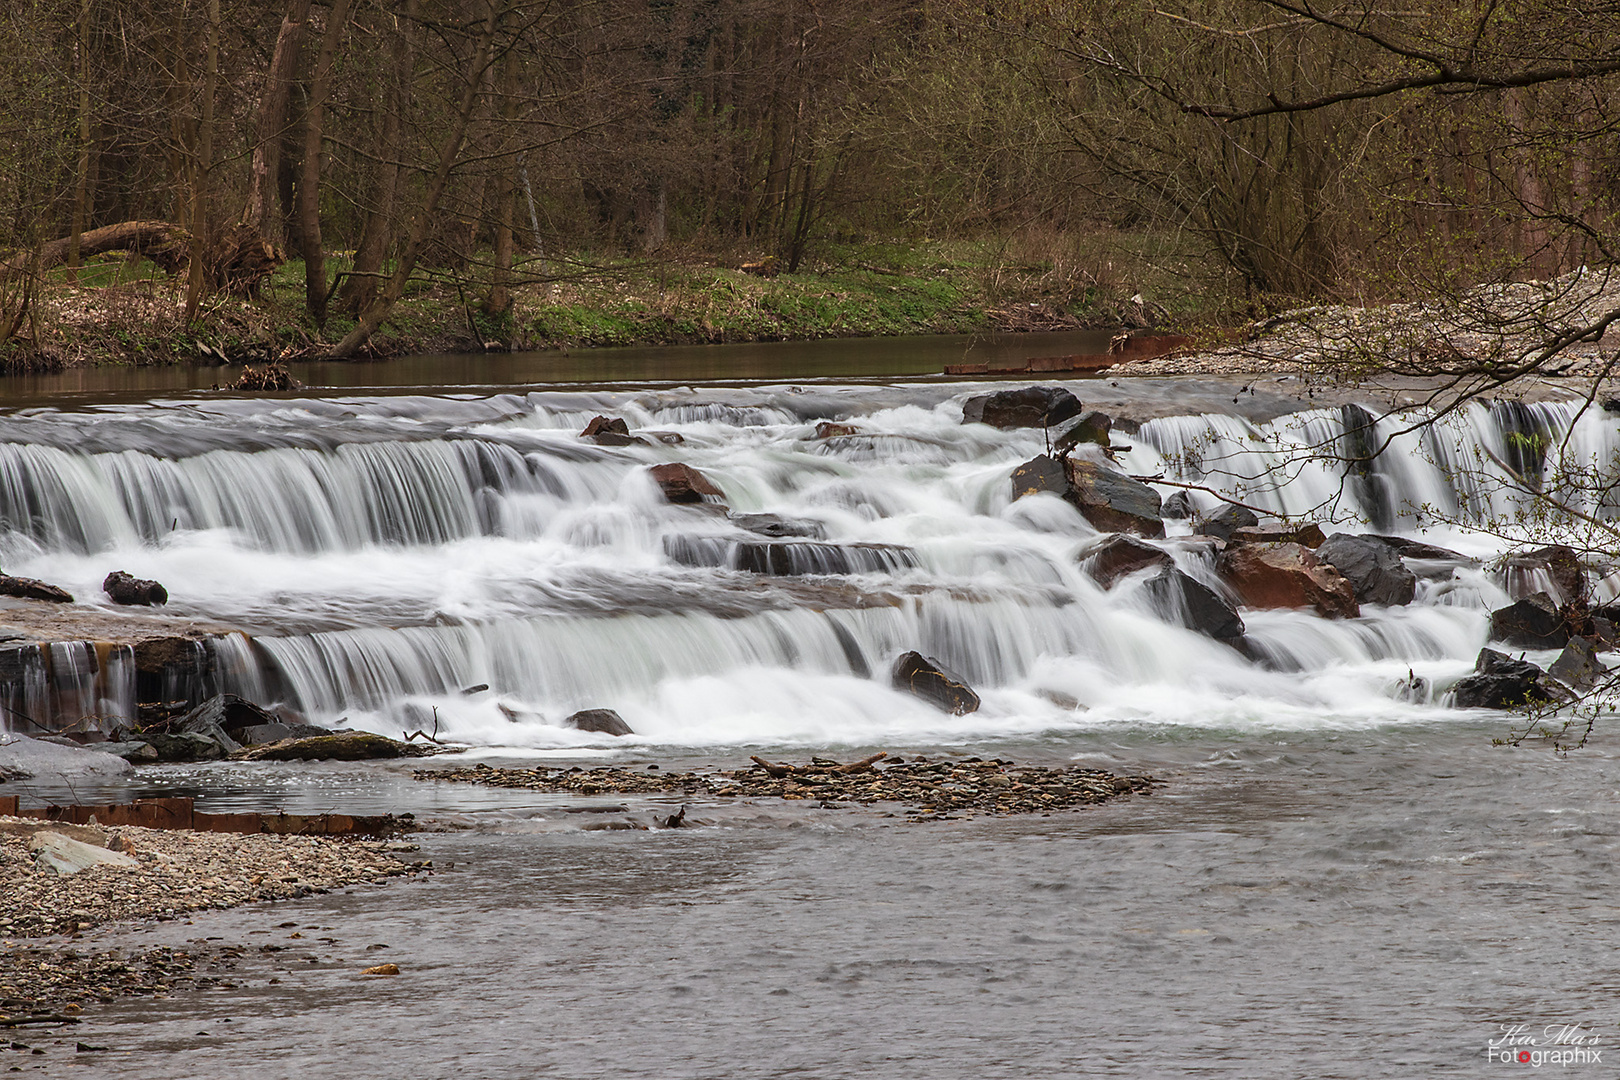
1120, 555
778, 526
263, 734
131, 591
1178, 507
27, 758
1529, 572
609, 431
1373, 568
828, 430
131, 750
1413, 688
58, 854
601, 721
382, 969
1532, 623
1417, 549
1092, 427
1308, 534
1578, 666
1287, 576
220, 715
1108, 499
1194, 604
1499, 682
348, 746
1225, 521
185, 746
930, 680
29, 589
1033, 406
683, 484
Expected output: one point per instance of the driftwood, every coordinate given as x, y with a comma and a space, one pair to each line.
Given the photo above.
779, 771
53, 1018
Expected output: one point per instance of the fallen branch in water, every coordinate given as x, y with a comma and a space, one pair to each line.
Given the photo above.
778, 771
51, 1018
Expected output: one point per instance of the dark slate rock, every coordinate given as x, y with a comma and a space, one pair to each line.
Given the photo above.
1275, 532
1092, 427
1578, 666
930, 680
1532, 623
776, 525
1178, 507
1499, 682
1194, 604
1373, 568
600, 721
263, 734
1121, 555
683, 484
1033, 406
1225, 521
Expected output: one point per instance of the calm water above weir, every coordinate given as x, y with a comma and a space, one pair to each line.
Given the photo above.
1341, 876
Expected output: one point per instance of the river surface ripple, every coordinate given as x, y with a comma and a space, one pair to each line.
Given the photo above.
1357, 904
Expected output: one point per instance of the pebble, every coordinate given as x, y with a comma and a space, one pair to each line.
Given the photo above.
936, 788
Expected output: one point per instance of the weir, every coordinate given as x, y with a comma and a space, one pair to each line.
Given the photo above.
377, 556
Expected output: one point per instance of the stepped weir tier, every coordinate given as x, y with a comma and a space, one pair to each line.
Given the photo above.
751, 565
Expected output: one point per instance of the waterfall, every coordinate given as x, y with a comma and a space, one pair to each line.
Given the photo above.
388, 553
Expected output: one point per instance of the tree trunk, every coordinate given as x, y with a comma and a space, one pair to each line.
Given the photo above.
203, 165
360, 288
81, 185
416, 234
164, 243
258, 214
309, 183
500, 293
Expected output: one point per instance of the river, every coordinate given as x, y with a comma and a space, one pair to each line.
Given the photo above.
1337, 878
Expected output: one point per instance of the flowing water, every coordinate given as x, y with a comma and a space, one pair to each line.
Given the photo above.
1341, 877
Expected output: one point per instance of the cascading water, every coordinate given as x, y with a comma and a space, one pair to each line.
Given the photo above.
387, 553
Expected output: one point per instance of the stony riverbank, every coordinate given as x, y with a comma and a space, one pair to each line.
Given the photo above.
932, 789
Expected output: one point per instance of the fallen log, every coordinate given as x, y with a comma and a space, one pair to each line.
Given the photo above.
778, 771
165, 244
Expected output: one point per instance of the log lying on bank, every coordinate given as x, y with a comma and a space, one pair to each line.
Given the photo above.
167, 245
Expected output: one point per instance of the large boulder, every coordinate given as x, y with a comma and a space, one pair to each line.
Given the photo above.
221, 717
936, 684
1225, 521
1499, 682
1532, 623
132, 591
1107, 498
683, 484
1033, 406
1529, 572
600, 721
1194, 604
1178, 506
277, 731
1287, 576
1371, 566
1120, 555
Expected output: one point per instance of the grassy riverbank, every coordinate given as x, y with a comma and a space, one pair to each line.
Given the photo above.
123, 312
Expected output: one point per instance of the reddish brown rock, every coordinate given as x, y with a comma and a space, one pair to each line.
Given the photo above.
1287, 576
1121, 555
683, 484
829, 430
1309, 534
609, 431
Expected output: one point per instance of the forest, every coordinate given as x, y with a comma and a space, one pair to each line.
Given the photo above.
1227, 157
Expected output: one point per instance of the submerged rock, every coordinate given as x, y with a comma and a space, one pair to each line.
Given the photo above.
1287, 576
1120, 555
1532, 623
683, 484
348, 746
1033, 406
930, 680
130, 591
1372, 567
1500, 682
1194, 604
1107, 498
600, 721
609, 431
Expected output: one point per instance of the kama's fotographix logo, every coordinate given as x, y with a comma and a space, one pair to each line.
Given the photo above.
1562, 1045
